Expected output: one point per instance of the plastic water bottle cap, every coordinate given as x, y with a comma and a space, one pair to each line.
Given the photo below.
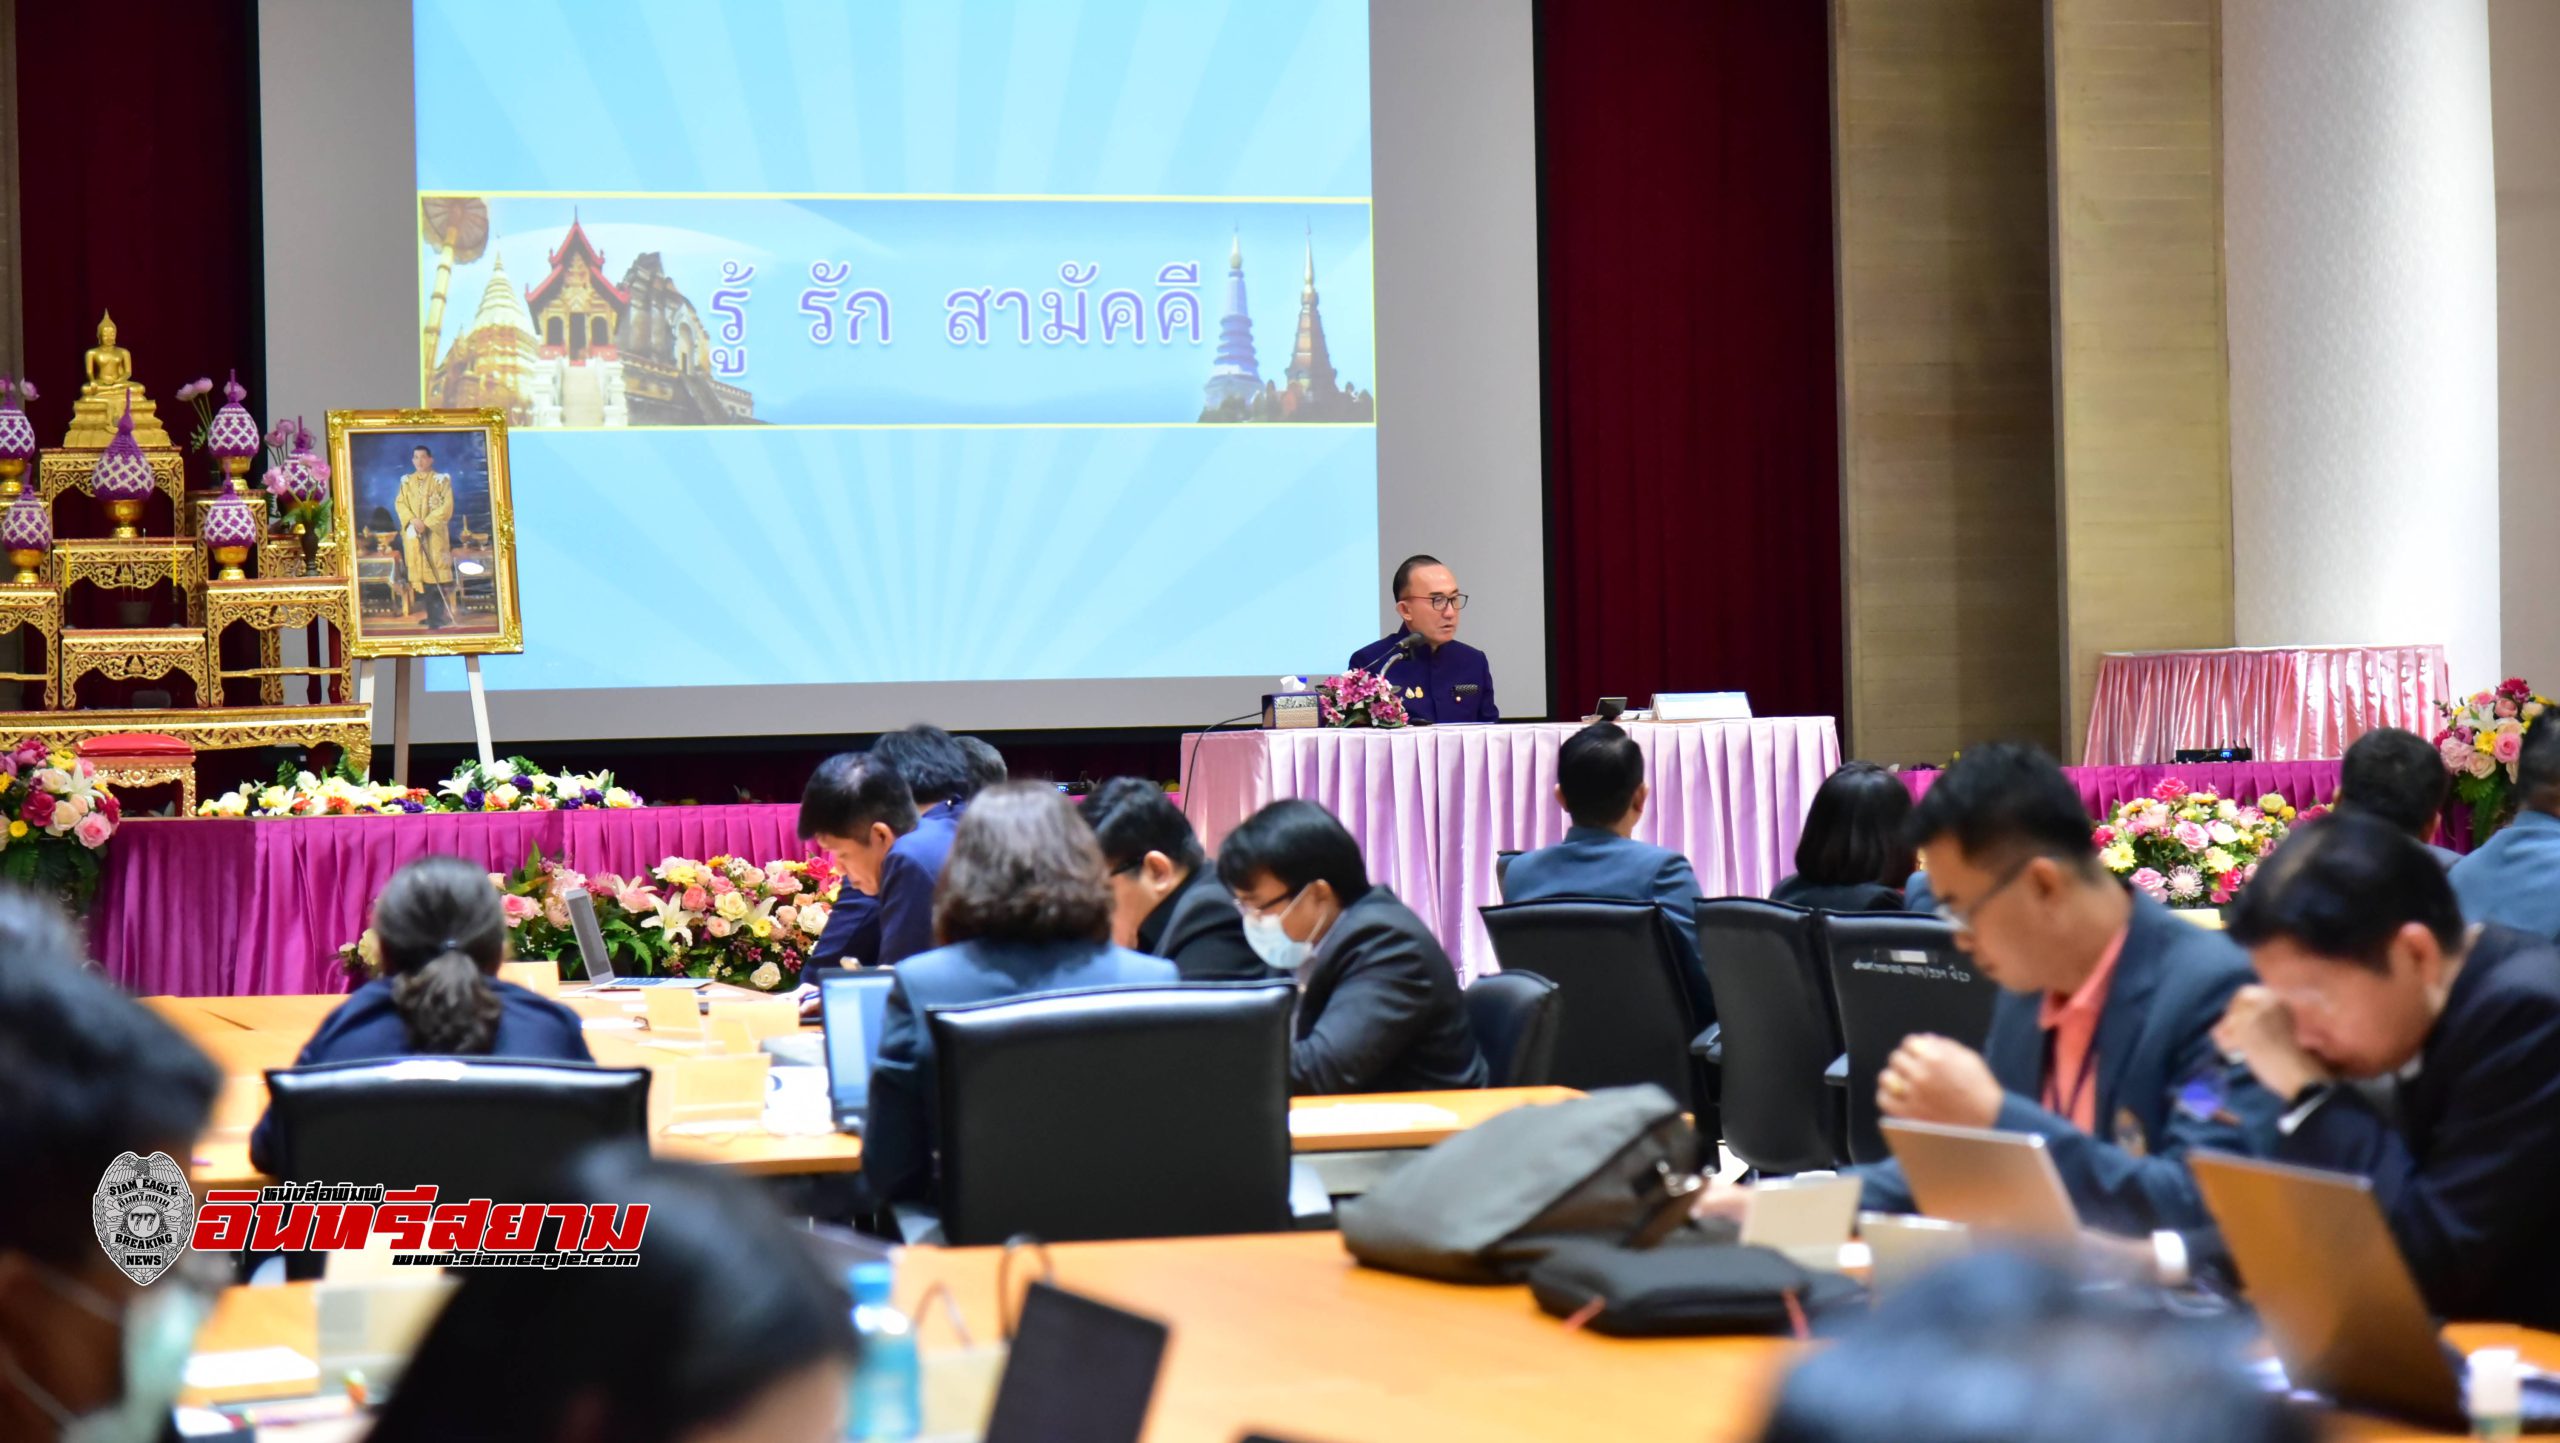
872, 1283
2493, 1384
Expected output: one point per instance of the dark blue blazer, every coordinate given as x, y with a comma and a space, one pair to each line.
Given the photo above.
1379, 1009
366, 1027
2514, 879
2470, 1175
898, 923
1918, 895
1429, 679
1596, 862
900, 1135
2173, 981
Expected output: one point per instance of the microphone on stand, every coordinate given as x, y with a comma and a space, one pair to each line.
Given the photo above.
1411, 643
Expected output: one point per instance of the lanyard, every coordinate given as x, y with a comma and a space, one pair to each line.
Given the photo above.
2068, 1107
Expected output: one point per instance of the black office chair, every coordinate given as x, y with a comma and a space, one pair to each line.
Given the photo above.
1114, 1112
1894, 975
476, 1127
1514, 1016
1774, 1035
1626, 1015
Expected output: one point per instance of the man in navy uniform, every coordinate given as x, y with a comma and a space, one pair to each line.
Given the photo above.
1424, 660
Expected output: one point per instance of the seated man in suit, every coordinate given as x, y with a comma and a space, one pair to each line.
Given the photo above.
1024, 909
1379, 1008
1164, 899
87, 1075
2371, 977
890, 860
1600, 784
2396, 776
2106, 1015
2514, 879
1424, 660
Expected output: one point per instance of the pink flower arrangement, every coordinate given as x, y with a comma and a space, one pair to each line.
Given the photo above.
1358, 699
2190, 847
2482, 736
55, 820
746, 934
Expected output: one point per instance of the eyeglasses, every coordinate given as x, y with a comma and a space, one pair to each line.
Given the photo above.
1442, 601
1962, 920
1265, 909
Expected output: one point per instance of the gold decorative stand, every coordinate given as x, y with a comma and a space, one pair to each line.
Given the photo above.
134, 654
38, 608
268, 607
135, 565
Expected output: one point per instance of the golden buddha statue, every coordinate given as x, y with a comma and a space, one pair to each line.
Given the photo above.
104, 396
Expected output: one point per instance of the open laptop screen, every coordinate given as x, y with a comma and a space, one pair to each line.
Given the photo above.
1080, 1372
853, 1009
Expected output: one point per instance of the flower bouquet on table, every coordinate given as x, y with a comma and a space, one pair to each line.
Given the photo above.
340, 792
2191, 847
724, 919
517, 785
2482, 736
1358, 699
58, 820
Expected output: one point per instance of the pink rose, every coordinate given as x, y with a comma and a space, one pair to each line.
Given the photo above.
696, 900
2223, 887
717, 926
783, 884
789, 916
93, 831
636, 899
2506, 706
2517, 687
555, 911
722, 886
2150, 883
31, 753
2170, 789
520, 909
2193, 837
2103, 837
37, 809
2481, 764
2455, 751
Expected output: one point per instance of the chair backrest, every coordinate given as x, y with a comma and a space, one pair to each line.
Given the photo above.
1514, 1016
474, 1126
1502, 874
1116, 1112
1894, 975
1778, 1036
1626, 1018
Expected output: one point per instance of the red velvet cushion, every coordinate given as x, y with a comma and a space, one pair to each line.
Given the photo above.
136, 744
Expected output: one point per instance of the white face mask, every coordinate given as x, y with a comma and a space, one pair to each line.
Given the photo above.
1271, 941
159, 1331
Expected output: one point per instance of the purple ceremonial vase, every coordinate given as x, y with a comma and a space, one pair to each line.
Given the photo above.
25, 526
123, 473
234, 432
17, 433
227, 521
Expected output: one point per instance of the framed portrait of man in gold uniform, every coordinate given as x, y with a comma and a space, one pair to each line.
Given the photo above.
420, 506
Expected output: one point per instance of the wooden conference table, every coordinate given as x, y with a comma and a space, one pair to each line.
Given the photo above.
247, 1035
1285, 1335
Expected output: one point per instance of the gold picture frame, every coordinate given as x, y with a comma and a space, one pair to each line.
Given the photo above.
467, 604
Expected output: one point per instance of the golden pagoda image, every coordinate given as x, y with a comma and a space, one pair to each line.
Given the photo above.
493, 363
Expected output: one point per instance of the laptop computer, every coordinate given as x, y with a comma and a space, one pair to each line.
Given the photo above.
2337, 1299
853, 1007
599, 962
1081, 1371
1993, 1182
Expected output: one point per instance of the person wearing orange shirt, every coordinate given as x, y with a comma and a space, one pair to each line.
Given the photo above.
2102, 1039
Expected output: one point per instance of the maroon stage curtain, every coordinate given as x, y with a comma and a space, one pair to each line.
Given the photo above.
138, 184
1693, 498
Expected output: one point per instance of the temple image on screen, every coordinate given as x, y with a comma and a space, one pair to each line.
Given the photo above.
1236, 390
578, 350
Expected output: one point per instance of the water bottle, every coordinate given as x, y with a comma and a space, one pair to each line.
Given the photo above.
886, 1404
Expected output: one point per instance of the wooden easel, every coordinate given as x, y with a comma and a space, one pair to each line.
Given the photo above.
403, 681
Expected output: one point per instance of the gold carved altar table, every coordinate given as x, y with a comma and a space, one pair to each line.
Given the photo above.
133, 654
40, 609
268, 606
134, 565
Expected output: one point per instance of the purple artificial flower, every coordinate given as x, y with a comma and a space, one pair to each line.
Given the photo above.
26, 388
594, 798
280, 435
522, 783
472, 799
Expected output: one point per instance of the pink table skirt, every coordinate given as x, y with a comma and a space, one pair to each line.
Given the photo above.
1432, 805
213, 907
2284, 703
2304, 784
